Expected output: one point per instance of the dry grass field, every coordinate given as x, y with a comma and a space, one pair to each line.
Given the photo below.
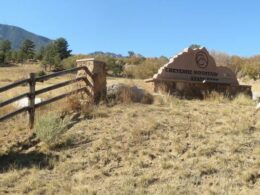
172, 146
15, 73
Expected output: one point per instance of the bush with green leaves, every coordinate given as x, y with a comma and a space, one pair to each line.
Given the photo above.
54, 53
5, 51
146, 69
49, 128
27, 49
251, 69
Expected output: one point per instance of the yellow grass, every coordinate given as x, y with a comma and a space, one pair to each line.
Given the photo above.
9, 75
254, 83
172, 146
12, 74
137, 82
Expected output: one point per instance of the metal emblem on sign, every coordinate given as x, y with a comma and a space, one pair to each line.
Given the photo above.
202, 59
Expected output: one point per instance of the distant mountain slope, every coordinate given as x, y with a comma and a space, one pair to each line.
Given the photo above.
113, 55
108, 54
17, 35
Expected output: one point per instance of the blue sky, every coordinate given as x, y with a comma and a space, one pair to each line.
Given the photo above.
149, 27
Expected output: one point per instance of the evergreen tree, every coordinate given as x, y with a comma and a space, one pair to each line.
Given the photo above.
27, 49
14, 56
131, 53
5, 51
40, 54
54, 53
48, 57
195, 46
61, 46
2, 57
5, 46
21, 56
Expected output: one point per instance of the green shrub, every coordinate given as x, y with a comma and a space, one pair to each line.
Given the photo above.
40, 73
146, 69
251, 69
70, 62
50, 127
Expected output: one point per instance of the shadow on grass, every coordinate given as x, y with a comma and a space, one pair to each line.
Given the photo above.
71, 144
16, 160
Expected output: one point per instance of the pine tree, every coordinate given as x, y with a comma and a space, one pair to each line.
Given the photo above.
61, 46
5, 51
54, 53
27, 49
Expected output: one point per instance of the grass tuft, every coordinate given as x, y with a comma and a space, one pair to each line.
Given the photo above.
243, 99
216, 97
50, 127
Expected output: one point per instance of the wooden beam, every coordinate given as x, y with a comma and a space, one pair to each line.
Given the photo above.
15, 84
7, 116
56, 86
46, 77
13, 99
59, 97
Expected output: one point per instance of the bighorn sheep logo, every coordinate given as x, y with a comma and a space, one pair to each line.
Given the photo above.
202, 59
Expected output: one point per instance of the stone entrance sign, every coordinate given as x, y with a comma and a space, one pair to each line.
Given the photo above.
195, 65
196, 69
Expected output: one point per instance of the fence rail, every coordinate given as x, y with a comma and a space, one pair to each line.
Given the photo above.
15, 84
32, 80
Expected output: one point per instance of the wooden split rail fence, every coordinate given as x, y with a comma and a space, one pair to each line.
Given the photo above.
32, 80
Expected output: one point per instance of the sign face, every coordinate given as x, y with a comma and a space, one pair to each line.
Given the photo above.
202, 59
195, 65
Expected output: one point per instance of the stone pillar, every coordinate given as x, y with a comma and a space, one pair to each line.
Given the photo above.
98, 69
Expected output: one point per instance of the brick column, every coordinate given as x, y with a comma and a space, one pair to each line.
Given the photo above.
98, 69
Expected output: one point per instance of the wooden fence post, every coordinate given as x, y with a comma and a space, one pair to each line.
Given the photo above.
31, 100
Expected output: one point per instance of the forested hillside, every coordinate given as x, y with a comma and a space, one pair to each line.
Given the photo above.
17, 35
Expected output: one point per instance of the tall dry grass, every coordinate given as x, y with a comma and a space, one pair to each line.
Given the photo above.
173, 146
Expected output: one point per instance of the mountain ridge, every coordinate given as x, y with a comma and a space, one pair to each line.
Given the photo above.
16, 35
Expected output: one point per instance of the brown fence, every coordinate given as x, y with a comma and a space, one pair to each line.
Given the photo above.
32, 80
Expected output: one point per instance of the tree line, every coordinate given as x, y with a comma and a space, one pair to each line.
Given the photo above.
56, 56
137, 66
132, 66
50, 56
